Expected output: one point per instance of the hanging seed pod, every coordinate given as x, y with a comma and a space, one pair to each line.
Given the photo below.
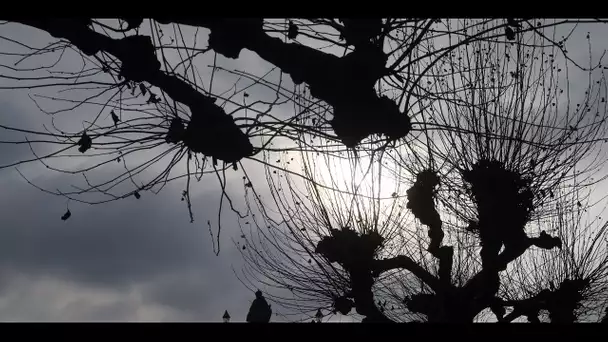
84, 143
66, 215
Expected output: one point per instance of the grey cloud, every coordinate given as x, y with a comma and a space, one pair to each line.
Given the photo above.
44, 298
147, 243
131, 238
18, 111
31, 297
199, 291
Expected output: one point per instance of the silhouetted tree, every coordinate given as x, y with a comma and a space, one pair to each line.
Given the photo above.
460, 138
157, 112
500, 162
565, 285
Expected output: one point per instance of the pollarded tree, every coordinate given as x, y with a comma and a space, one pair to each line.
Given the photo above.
503, 151
565, 285
159, 113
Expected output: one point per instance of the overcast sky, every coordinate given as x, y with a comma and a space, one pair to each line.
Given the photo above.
131, 260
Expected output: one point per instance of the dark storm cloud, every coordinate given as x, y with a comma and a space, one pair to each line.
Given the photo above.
131, 237
147, 242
